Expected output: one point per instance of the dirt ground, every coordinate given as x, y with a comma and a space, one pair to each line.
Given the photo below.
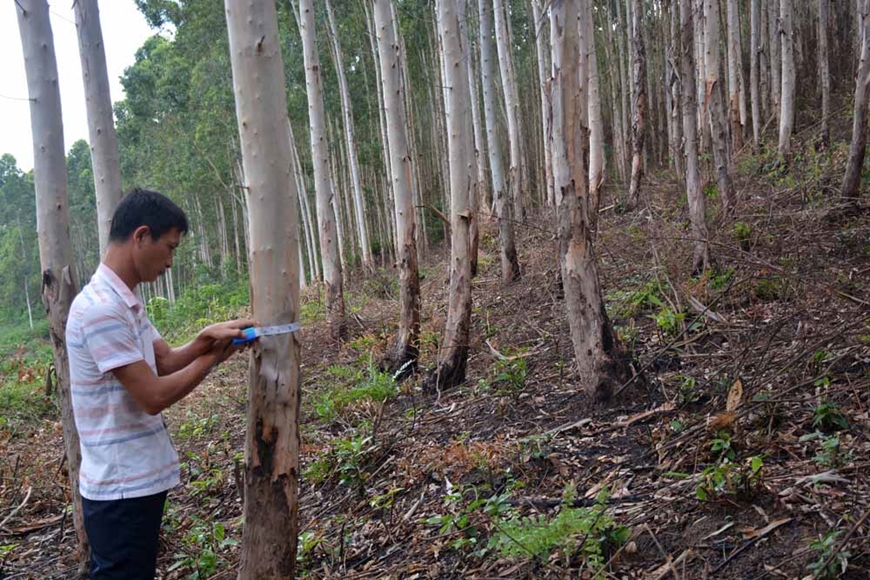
776, 339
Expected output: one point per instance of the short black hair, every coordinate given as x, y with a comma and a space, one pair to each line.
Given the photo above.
142, 207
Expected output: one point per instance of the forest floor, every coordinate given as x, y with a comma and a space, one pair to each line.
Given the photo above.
740, 450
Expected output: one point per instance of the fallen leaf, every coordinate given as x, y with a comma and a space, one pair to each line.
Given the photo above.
749, 534
735, 394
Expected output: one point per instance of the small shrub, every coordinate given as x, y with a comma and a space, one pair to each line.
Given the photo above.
828, 418
824, 547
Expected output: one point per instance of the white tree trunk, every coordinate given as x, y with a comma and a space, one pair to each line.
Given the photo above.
851, 188
406, 347
101, 123
543, 83
824, 68
329, 250
694, 193
714, 106
52, 222
596, 124
673, 59
517, 172
453, 357
272, 437
349, 135
786, 118
510, 267
775, 47
590, 329
754, 70
734, 67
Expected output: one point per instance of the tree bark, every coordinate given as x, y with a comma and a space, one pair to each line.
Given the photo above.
543, 83
517, 172
734, 65
638, 129
824, 69
350, 138
59, 283
673, 60
851, 188
474, 202
453, 357
754, 70
272, 437
591, 334
714, 106
329, 250
101, 123
694, 193
403, 356
596, 124
786, 118
775, 49
510, 266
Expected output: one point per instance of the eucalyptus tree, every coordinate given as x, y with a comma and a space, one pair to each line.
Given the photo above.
787, 111
756, 70
543, 78
518, 171
714, 106
638, 103
689, 105
591, 334
510, 266
350, 140
59, 283
596, 123
272, 436
101, 123
403, 355
736, 106
453, 356
851, 187
824, 69
326, 219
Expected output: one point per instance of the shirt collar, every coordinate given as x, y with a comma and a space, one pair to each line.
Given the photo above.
115, 283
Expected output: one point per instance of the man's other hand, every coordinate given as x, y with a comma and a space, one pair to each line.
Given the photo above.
224, 331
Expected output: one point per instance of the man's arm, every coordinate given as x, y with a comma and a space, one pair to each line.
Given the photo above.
171, 360
154, 393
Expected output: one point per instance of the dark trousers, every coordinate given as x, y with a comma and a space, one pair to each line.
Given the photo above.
124, 535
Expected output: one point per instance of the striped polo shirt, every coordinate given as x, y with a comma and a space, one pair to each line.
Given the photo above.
126, 452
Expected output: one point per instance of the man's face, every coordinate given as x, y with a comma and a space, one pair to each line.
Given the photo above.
154, 257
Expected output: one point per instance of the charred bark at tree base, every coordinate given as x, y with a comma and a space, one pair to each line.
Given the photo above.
401, 361
448, 374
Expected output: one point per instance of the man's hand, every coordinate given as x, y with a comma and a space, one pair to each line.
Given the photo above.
223, 331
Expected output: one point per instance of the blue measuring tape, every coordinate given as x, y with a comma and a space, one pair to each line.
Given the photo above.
254, 332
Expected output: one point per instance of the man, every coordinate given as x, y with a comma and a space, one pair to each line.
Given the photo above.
122, 375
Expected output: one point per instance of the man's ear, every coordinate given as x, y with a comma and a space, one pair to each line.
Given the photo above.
140, 233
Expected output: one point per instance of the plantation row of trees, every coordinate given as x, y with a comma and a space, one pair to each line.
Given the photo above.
389, 126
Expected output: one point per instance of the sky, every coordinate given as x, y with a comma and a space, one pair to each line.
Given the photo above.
124, 31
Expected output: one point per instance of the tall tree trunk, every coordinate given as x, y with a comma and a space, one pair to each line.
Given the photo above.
453, 357
101, 123
326, 219
474, 202
596, 124
517, 172
786, 119
851, 188
350, 138
594, 344
775, 49
824, 69
510, 266
406, 348
734, 65
675, 88
713, 104
638, 106
272, 437
754, 70
694, 193
543, 82
52, 224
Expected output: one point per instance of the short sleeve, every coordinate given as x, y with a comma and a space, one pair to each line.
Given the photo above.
109, 337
